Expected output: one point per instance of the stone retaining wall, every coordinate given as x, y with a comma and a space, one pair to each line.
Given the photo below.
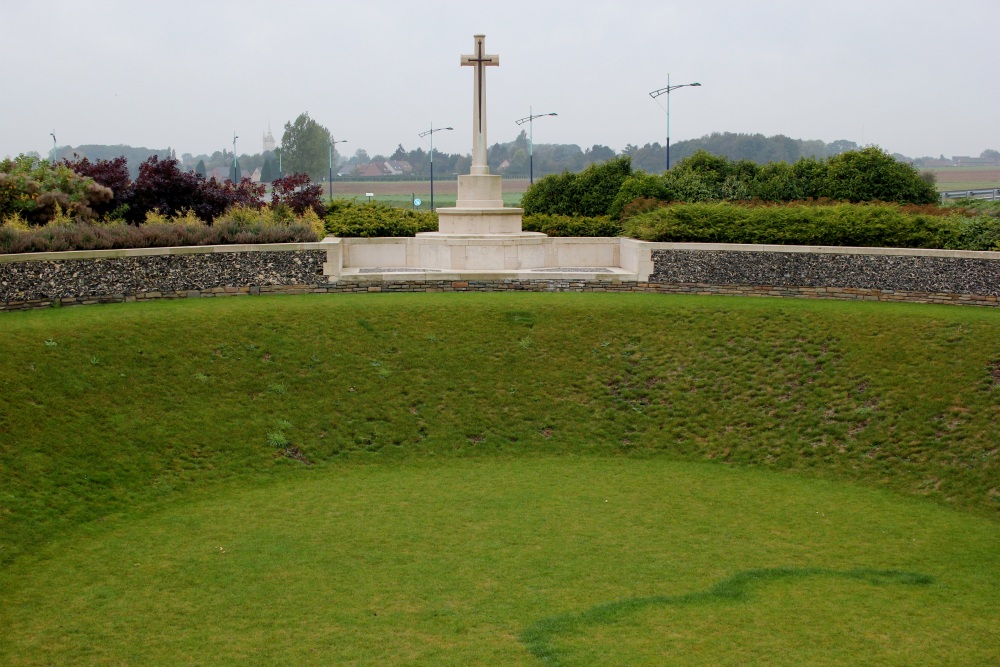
102, 278
853, 274
936, 273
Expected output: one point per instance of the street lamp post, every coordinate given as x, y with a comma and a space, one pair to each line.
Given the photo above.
531, 139
236, 164
430, 133
332, 142
53, 135
666, 91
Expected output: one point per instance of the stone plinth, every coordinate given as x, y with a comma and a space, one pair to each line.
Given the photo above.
490, 251
479, 191
479, 220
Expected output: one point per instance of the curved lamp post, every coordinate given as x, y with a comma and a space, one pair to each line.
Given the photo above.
53, 135
666, 91
531, 140
430, 133
332, 142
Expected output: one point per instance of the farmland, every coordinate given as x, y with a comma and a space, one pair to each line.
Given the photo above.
401, 193
960, 178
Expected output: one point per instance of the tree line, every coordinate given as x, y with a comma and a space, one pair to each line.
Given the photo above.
305, 148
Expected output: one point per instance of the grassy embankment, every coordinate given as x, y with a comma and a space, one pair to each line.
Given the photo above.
450, 479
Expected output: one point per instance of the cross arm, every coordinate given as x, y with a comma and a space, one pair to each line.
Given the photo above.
487, 61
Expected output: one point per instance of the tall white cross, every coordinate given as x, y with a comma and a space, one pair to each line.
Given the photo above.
480, 61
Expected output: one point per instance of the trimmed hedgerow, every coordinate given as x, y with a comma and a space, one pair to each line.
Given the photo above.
159, 231
589, 193
867, 175
571, 225
376, 220
864, 225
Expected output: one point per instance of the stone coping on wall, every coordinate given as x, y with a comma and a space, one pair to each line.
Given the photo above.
325, 244
819, 249
330, 242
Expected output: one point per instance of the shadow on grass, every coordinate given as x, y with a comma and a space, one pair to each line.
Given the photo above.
538, 637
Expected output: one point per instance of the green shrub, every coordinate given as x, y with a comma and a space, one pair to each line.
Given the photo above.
867, 175
37, 192
871, 174
376, 220
159, 231
639, 185
567, 225
865, 225
589, 193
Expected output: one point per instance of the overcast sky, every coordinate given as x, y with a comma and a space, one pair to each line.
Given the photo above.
913, 76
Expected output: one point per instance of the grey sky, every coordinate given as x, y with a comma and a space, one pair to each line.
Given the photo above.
913, 76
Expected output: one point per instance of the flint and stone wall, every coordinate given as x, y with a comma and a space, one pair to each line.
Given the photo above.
161, 273
926, 276
954, 275
874, 274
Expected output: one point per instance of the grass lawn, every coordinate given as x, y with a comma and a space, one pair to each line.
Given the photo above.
500, 479
581, 560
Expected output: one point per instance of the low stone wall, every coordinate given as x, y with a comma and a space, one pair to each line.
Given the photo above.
109, 276
853, 269
871, 274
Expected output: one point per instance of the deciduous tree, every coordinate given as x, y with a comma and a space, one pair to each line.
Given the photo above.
305, 147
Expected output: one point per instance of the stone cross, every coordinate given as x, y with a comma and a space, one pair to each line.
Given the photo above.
480, 61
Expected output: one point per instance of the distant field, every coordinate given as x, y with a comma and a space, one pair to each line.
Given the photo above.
401, 193
960, 178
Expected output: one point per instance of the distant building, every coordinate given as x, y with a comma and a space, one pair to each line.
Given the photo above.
222, 174
398, 167
269, 142
967, 161
389, 168
373, 169
218, 173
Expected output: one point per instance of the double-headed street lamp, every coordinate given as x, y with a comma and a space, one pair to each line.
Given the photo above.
332, 142
430, 133
531, 139
666, 91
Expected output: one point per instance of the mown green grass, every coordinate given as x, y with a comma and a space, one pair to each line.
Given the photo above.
435, 460
107, 406
568, 560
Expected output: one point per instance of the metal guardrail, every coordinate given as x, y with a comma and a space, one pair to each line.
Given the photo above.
992, 194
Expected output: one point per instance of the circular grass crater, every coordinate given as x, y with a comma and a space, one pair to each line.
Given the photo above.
524, 560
